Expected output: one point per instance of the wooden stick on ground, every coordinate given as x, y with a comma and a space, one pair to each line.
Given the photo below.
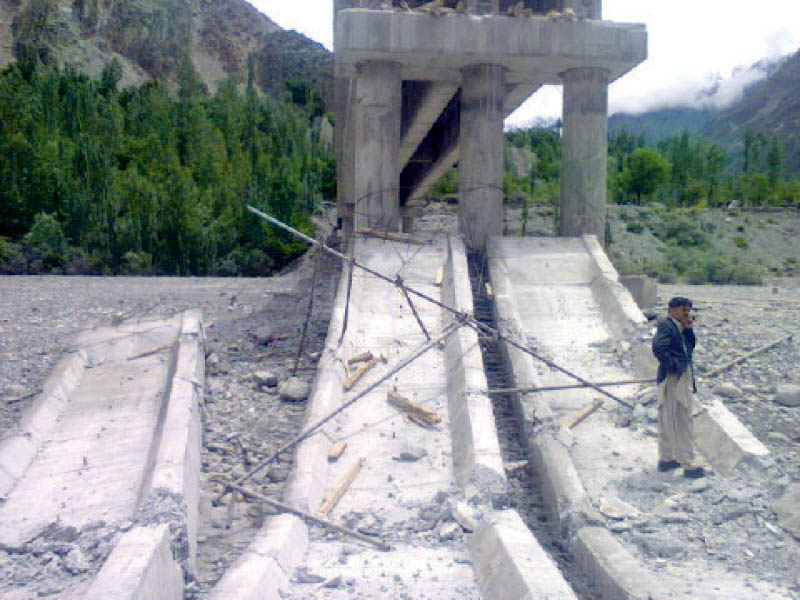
359, 358
437, 281
584, 412
332, 498
359, 372
336, 451
744, 357
418, 414
381, 545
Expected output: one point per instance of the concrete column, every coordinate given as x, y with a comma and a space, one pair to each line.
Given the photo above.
583, 155
344, 145
481, 163
377, 120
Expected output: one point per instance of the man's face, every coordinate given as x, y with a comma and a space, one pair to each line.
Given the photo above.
680, 313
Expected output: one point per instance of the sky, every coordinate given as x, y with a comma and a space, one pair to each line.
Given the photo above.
691, 45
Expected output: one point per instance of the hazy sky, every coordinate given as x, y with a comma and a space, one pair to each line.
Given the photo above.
691, 43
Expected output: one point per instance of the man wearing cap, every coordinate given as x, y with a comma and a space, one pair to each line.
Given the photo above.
673, 346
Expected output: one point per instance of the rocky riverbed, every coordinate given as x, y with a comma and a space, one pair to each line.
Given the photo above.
742, 522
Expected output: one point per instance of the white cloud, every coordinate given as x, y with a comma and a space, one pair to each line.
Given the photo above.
691, 43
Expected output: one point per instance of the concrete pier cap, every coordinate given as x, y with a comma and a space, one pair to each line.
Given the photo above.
452, 62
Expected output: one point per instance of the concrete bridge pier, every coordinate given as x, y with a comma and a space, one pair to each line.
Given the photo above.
376, 121
480, 169
584, 148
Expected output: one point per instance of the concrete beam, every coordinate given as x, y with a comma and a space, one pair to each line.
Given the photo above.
422, 105
534, 50
420, 175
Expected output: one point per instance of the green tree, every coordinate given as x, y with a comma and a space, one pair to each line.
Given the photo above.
648, 170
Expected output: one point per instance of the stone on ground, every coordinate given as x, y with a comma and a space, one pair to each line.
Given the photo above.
294, 390
788, 394
788, 510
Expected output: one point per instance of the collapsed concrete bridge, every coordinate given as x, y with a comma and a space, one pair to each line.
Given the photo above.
418, 90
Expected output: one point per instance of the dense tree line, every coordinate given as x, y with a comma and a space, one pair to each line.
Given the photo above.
681, 171
151, 180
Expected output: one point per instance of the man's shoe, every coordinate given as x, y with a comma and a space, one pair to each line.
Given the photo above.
695, 473
668, 465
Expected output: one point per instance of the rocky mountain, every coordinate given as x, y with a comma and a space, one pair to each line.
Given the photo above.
150, 38
771, 105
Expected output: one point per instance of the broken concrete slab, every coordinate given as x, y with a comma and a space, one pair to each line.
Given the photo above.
510, 563
141, 567
725, 441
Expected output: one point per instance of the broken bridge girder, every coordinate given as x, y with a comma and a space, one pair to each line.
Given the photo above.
460, 316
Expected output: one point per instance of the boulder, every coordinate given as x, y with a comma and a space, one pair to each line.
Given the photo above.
266, 379
294, 390
727, 390
787, 507
788, 395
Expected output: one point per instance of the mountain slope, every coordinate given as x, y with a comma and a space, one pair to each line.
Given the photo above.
151, 37
771, 105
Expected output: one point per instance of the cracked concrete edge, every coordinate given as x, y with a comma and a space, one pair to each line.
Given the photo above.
529, 407
176, 463
18, 449
726, 442
615, 573
269, 561
510, 563
563, 493
618, 306
141, 567
477, 456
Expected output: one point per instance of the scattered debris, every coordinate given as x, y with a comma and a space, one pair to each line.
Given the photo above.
437, 281
336, 451
361, 371
332, 498
583, 413
418, 414
409, 453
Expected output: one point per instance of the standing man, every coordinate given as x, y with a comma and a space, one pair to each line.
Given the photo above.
673, 345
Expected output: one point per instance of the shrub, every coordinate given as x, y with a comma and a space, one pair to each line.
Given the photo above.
741, 243
634, 226
12, 260
136, 263
680, 231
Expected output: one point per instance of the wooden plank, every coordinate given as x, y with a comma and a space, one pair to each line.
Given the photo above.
583, 413
359, 358
336, 451
418, 414
332, 498
359, 373
437, 281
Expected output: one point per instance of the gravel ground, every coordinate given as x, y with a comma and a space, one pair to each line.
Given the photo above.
253, 327
730, 520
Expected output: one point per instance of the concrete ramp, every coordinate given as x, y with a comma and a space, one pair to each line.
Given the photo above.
421, 489
563, 298
111, 444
